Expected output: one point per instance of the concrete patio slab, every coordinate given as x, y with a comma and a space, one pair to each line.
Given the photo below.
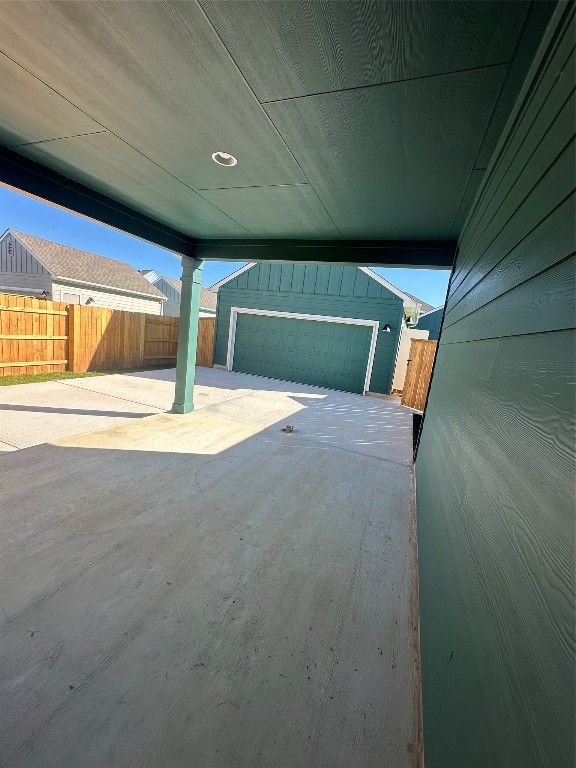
31, 414
207, 590
156, 388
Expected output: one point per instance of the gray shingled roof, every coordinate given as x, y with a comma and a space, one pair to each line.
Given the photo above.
72, 264
207, 298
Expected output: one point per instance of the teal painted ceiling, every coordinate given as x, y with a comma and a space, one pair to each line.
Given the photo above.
352, 120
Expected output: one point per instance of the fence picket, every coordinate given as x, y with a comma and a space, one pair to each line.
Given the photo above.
418, 373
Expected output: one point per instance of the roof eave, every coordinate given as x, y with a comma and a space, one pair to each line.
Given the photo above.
108, 287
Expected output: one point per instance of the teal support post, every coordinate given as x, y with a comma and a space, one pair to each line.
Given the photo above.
187, 334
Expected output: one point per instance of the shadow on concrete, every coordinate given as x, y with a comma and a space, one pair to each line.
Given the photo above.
197, 590
73, 411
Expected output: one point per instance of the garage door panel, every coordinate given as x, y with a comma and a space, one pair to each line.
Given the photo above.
358, 351
290, 357
321, 353
320, 360
340, 347
291, 342
338, 365
325, 331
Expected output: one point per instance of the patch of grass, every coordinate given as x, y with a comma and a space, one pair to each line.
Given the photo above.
33, 378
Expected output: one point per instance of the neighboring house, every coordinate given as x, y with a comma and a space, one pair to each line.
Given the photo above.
149, 274
33, 266
422, 307
332, 326
172, 289
431, 321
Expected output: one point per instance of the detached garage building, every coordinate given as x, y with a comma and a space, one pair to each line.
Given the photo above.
331, 326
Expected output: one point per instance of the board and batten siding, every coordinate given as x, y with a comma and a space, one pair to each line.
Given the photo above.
431, 322
108, 298
172, 303
20, 271
336, 291
495, 465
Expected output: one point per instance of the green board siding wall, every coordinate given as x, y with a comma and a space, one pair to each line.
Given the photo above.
431, 322
316, 290
495, 467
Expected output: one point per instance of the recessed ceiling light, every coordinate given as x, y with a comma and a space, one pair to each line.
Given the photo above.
224, 158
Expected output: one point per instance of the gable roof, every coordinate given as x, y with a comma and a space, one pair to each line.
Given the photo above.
149, 274
424, 306
407, 298
82, 266
208, 297
431, 311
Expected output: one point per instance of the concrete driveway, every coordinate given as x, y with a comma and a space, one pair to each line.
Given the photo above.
207, 590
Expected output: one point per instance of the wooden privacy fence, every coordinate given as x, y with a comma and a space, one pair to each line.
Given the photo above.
33, 335
39, 336
418, 373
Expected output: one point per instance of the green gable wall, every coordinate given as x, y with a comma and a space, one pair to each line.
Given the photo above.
317, 290
495, 466
431, 322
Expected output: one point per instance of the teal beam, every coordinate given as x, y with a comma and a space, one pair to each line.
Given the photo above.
418, 254
34, 179
187, 334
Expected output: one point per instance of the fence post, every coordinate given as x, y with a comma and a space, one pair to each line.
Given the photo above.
73, 337
142, 346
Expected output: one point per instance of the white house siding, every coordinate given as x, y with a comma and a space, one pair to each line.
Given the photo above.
20, 272
107, 298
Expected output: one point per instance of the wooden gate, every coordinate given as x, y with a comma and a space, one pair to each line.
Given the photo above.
418, 374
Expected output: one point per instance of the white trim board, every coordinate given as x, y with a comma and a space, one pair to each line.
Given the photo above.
235, 311
237, 273
408, 300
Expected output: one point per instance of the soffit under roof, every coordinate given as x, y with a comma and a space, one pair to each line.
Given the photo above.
349, 119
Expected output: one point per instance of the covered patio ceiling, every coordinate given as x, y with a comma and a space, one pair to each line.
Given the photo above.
364, 125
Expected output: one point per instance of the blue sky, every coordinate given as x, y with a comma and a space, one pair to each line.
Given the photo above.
36, 218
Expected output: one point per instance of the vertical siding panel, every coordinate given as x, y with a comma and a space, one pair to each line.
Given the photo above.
274, 280
263, 276
287, 270
242, 281
334, 280
348, 279
298, 278
322, 276
310, 271
360, 284
374, 289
